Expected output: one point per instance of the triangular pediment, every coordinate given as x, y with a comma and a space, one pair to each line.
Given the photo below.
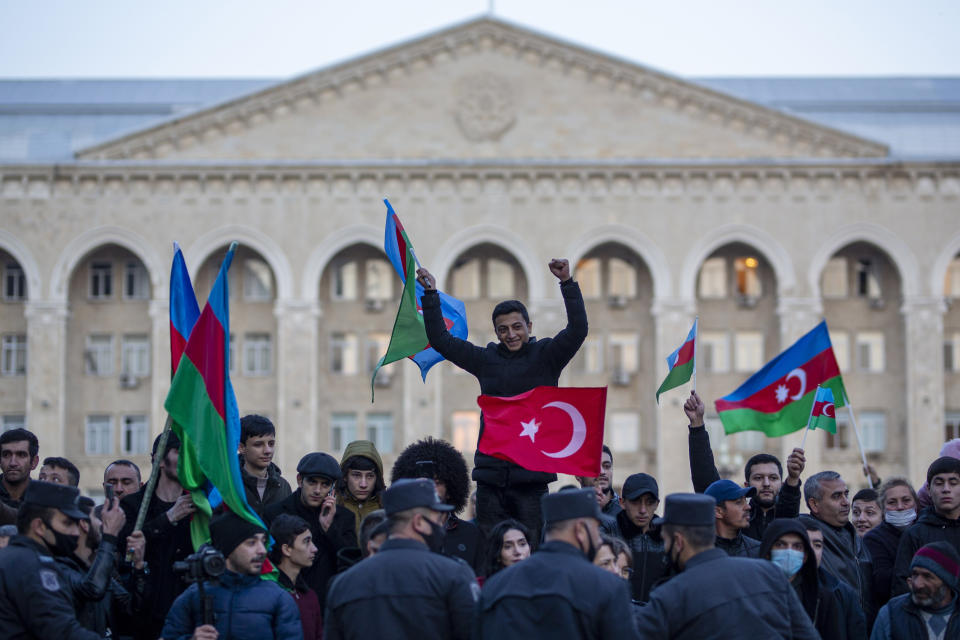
484, 89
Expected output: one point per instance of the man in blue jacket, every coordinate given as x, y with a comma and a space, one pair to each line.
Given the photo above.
245, 606
517, 363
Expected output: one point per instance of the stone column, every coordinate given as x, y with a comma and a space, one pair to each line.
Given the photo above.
923, 320
297, 366
797, 317
46, 376
160, 368
673, 319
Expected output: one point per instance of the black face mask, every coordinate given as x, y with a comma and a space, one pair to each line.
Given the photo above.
670, 562
64, 545
434, 540
592, 550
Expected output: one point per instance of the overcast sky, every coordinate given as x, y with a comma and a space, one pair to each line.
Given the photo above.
281, 38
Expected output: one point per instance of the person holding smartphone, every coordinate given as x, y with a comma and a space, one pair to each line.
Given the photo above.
331, 525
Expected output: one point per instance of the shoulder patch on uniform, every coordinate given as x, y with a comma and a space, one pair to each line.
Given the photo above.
49, 580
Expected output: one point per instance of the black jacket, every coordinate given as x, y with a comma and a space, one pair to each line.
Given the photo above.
847, 559
502, 372
901, 619
853, 622
555, 594
703, 473
166, 543
5, 496
649, 560
740, 547
404, 591
929, 527
34, 603
882, 543
339, 536
464, 540
716, 596
276, 490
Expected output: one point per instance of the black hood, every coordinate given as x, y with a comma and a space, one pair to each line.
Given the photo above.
808, 572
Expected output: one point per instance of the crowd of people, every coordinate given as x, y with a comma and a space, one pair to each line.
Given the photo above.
346, 555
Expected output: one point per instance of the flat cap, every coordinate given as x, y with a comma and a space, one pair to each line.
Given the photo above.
319, 464
567, 505
688, 509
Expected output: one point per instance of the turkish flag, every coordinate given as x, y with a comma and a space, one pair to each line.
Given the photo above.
550, 429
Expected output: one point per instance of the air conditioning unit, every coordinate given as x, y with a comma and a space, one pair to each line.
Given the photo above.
620, 378
129, 381
877, 303
383, 379
373, 306
617, 302
747, 302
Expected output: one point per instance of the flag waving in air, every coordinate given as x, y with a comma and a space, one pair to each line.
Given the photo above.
184, 309
681, 364
824, 415
395, 245
778, 398
204, 411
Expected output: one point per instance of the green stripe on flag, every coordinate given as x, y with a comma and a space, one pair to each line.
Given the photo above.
792, 417
676, 377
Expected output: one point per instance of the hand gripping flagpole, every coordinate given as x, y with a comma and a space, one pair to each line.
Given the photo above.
803, 442
152, 483
856, 433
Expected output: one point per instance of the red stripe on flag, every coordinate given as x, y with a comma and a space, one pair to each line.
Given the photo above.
792, 386
401, 243
177, 344
685, 354
818, 410
206, 350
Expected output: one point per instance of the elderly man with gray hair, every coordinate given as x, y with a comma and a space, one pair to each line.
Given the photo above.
844, 555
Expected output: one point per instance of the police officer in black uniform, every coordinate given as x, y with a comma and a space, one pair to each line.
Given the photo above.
405, 591
558, 593
33, 601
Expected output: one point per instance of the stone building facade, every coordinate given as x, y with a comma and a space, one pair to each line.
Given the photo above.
500, 148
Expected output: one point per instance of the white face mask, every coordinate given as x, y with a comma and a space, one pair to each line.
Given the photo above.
900, 519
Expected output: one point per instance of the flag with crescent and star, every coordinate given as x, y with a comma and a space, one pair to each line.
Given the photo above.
549, 429
778, 398
824, 415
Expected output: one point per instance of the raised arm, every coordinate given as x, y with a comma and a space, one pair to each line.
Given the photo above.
460, 352
703, 469
566, 343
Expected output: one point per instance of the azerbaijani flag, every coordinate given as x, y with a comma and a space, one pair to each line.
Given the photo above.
184, 309
681, 363
395, 245
778, 398
204, 410
823, 416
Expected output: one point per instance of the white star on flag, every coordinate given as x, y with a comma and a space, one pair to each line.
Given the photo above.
529, 429
782, 393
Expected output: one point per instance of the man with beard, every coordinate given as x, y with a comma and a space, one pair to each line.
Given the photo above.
932, 608
167, 534
245, 607
407, 589
733, 516
331, 525
19, 455
33, 599
775, 498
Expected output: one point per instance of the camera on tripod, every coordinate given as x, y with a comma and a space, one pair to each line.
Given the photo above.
206, 564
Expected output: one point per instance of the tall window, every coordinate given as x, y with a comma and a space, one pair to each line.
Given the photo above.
99, 435
500, 280
834, 280
257, 354
868, 282
135, 355
465, 429
343, 430
951, 285
13, 421
466, 279
345, 281
748, 279
747, 351
380, 431
713, 278
841, 439
135, 437
101, 280
873, 425
13, 354
590, 356
14, 283
623, 351
257, 281
951, 425
344, 353
379, 280
588, 276
841, 349
870, 355
622, 281
98, 358
136, 282
714, 351
625, 430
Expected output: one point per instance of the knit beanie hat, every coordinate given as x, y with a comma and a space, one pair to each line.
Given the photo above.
941, 559
946, 464
228, 530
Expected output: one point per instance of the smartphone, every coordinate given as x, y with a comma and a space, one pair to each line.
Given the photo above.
108, 494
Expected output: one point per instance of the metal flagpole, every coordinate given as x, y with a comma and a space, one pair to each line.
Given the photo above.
696, 339
807, 430
856, 433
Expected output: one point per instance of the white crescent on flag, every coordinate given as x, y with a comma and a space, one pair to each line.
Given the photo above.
829, 410
800, 375
579, 430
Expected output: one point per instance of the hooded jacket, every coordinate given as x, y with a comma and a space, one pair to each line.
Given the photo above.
929, 527
276, 490
649, 559
364, 449
505, 373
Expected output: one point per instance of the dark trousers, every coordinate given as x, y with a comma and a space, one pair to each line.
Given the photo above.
520, 502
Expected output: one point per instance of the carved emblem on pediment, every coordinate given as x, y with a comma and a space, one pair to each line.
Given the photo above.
485, 108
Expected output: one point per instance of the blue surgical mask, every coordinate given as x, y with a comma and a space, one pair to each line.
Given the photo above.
790, 560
